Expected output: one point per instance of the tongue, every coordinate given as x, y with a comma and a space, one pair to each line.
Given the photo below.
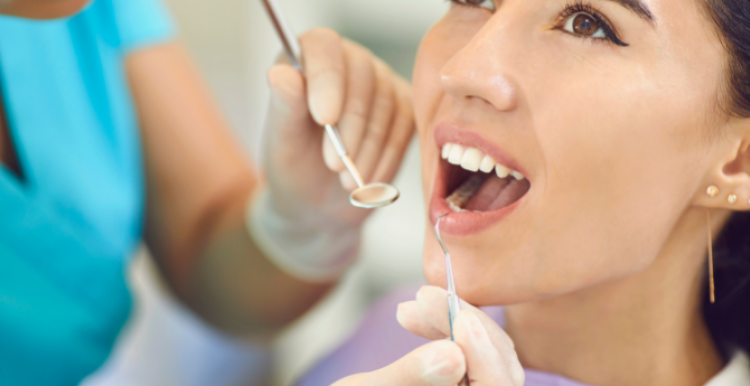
487, 194
458, 199
497, 193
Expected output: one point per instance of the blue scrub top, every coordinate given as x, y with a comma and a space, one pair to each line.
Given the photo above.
68, 228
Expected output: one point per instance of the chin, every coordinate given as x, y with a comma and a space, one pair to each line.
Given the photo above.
43, 9
492, 273
478, 281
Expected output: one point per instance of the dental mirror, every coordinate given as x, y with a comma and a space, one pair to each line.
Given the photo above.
367, 196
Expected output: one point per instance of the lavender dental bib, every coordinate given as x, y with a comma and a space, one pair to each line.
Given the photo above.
380, 341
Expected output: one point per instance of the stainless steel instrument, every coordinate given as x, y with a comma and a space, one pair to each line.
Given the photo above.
368, 196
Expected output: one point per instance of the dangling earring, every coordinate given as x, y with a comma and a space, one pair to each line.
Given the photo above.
710, 257
712, 191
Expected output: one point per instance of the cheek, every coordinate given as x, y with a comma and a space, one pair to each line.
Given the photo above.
438, 46
426, 81
620, 174
444, 40
427, 96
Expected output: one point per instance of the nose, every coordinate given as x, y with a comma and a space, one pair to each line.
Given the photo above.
479, 73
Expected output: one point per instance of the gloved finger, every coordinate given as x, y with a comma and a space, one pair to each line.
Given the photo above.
288, 113
489, 362
360, 90
378, 126
400, 137
434, 305
439, 363
324, 66
410, 317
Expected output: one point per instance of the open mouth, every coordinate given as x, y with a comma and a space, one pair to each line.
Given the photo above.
475, 182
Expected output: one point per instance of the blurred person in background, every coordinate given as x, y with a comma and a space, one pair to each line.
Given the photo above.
110, 138
587, 154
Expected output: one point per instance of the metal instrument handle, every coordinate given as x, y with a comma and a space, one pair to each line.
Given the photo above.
293, 53
287, 36
454, 304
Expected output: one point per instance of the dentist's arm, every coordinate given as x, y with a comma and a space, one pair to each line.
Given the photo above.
199, 182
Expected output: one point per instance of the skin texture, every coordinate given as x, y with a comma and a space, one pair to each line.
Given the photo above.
41, 9
198, 183
619, 144
601, 265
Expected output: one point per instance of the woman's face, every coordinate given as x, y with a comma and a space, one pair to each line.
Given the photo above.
604, 107
41, 9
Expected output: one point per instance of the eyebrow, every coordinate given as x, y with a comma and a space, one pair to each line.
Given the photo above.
639, 8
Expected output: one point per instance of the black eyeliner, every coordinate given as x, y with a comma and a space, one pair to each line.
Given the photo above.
604, 23
572, 9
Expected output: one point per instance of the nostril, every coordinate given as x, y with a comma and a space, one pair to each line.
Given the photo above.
478, 100
477, 87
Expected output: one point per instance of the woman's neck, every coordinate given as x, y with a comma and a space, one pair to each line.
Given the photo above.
643, 330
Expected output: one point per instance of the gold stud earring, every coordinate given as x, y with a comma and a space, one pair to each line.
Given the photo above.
712, 191
710, 257
732, 198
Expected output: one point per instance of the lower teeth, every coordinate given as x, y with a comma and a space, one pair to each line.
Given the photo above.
465, 192
455, 208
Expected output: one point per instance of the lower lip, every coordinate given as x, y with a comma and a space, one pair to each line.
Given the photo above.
462, 223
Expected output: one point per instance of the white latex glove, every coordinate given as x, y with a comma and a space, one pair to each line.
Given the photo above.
304, 220
481, 346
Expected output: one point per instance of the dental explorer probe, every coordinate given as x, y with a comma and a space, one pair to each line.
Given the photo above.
454, 305
368, 196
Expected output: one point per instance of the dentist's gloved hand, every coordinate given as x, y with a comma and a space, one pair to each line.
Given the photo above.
303, 219
481, 346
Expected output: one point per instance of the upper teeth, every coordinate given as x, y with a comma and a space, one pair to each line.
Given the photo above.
474, 160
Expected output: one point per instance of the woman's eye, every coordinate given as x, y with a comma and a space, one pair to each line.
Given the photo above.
583, 24
488, 4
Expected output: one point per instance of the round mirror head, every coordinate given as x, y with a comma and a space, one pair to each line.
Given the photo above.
374, 196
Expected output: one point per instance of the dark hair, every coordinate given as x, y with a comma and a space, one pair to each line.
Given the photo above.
729, 319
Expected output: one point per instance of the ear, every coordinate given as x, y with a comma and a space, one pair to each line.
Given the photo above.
727, 184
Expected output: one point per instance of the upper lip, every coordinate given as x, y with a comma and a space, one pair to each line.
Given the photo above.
467, 223
451, 133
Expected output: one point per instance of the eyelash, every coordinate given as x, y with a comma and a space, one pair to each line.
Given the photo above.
569, 11
465, 4
604, 24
